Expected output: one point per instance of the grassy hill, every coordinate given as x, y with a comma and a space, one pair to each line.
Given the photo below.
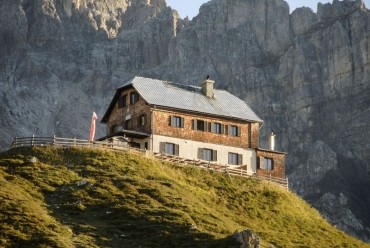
94, 198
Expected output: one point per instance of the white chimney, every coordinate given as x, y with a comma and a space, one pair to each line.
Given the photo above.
272, 141
207, 87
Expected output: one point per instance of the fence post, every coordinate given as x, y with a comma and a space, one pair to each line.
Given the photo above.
287, 183
54, 139
32, 140
74, 142
15, 141
270, 177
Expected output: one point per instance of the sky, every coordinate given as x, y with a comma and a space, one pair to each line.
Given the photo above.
190, 8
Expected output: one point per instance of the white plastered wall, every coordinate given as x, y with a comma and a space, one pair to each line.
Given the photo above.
189, 149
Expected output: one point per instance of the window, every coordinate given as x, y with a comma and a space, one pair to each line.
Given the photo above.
141, 120
235, 159
127, 124
207, 154
234, 130
122, 101
114, 129
169, 148
266, 163
134, 97
176, 121
200, 125
217, 128
269, 164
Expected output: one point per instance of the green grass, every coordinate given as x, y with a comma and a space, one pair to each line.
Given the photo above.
131, 201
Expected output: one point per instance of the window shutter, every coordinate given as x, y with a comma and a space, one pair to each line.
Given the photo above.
227, 129
240, 159
239, 131
194, 124
212, 127
162, 147
120, 102
222, 128
182, 122
139, 121
208, 126
170, 120
200, 153
177, 150
214, 155
258, 163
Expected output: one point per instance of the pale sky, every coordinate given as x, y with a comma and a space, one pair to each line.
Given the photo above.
190, 8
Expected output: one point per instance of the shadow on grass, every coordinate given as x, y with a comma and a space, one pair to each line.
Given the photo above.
119, 225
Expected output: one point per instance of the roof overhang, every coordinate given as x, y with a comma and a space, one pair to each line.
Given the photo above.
272, 151
204, 114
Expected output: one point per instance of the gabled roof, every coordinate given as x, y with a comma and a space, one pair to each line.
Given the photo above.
186, 98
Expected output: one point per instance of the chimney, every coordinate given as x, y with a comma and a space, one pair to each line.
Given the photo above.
272, 141
207, 87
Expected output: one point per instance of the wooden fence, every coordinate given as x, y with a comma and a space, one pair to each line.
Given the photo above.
230, 170
66, 142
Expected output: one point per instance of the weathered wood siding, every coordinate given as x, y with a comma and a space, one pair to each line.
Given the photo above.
278, 163
131, 111
162, 127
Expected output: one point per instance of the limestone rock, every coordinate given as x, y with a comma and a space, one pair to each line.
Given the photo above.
321, 159
337, 208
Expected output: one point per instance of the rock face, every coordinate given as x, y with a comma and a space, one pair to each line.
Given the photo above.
306, 74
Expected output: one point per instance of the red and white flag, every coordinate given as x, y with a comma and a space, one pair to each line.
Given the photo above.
92, 130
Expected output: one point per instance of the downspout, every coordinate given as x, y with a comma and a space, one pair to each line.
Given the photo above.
152, 127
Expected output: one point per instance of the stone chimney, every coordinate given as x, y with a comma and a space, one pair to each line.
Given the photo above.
207, 87
272, 141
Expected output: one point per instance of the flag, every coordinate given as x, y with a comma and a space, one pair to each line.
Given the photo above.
92, 130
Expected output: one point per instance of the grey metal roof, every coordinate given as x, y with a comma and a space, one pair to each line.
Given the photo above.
191, 98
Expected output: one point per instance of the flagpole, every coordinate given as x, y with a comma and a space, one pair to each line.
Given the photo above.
93, 126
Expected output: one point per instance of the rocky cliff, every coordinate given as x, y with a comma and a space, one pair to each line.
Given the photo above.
306, 74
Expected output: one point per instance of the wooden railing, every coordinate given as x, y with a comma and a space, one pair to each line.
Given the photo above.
67, 142
231, 171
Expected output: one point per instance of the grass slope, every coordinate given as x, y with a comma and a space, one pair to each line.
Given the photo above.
94, 198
